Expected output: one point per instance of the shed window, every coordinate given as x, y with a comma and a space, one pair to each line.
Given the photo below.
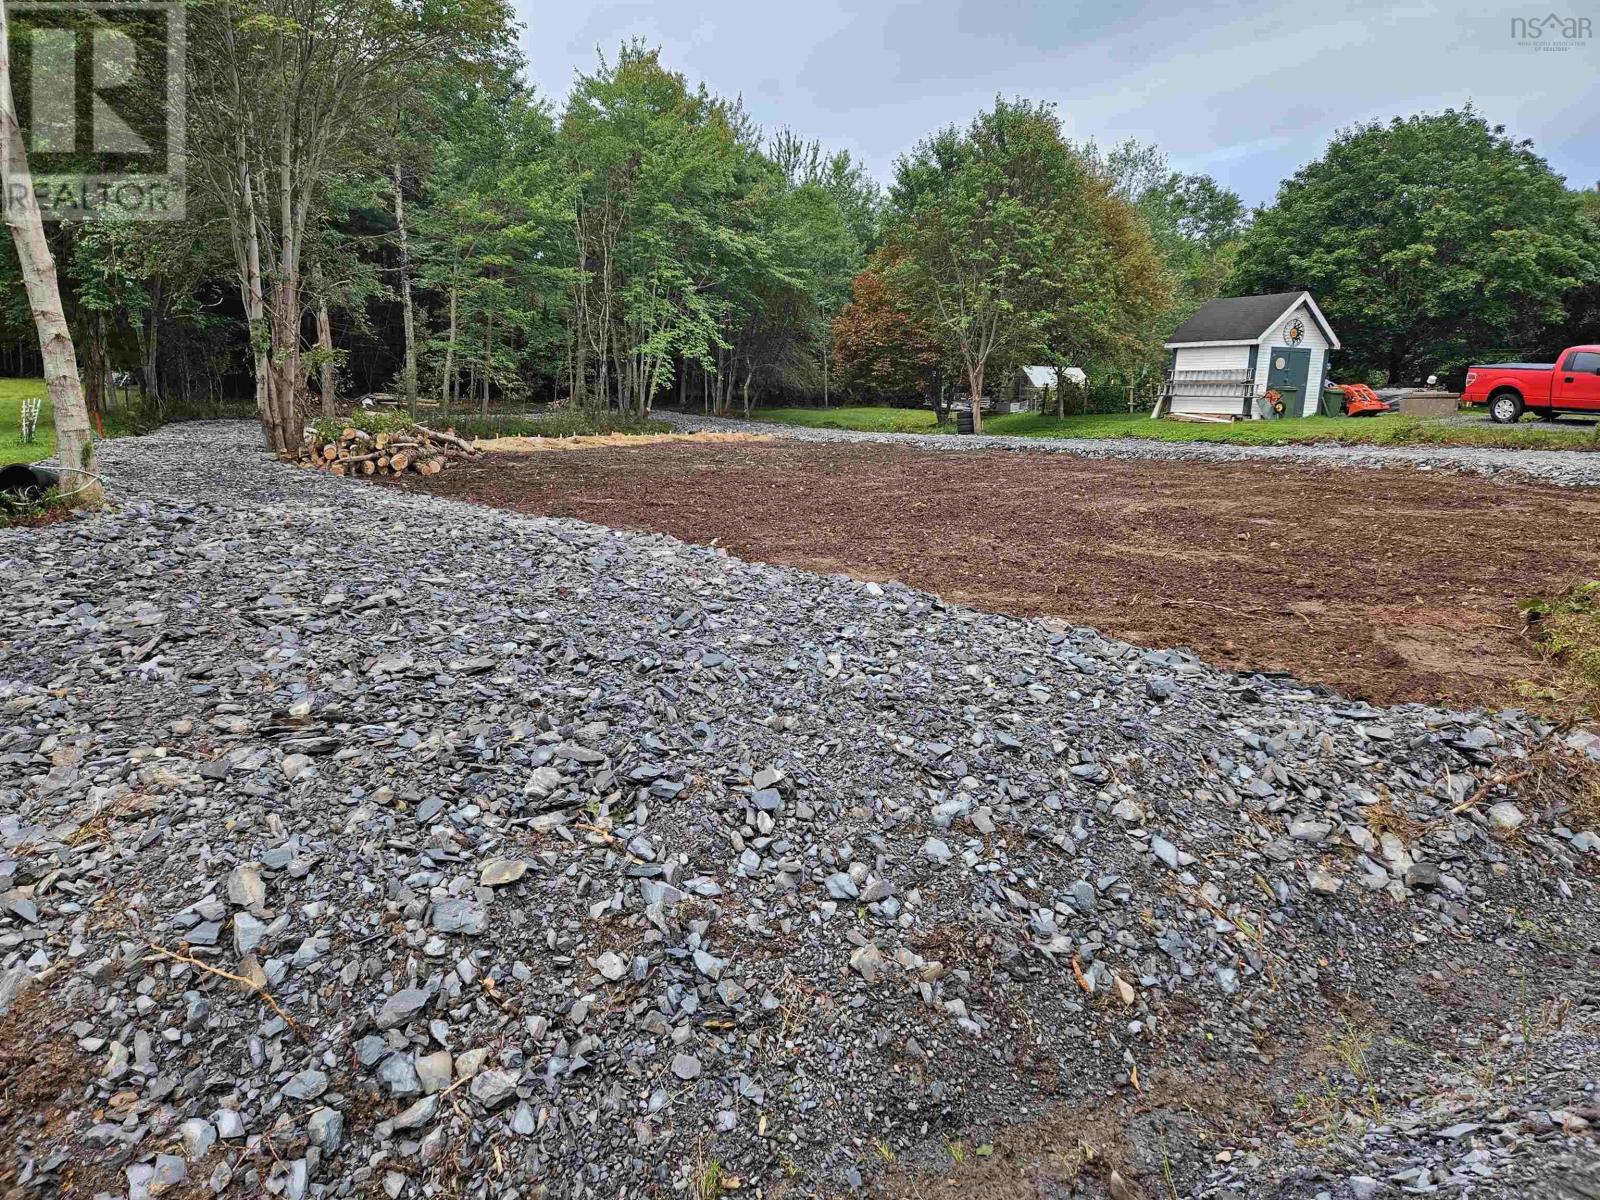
1279, 363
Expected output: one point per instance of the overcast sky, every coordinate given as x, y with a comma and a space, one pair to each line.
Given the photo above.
1245, 93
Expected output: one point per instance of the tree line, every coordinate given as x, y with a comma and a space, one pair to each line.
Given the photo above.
379, 202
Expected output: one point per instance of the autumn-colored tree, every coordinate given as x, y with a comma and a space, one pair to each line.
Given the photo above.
880, 348
1014, 248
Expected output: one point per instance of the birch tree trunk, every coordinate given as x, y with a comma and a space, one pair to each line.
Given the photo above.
283, 333
246, 232
288, 377
450, 353
325, 345
74, 445
407, 315
152, 335
580, 364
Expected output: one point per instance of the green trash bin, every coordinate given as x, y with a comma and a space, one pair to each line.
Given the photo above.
1332, 402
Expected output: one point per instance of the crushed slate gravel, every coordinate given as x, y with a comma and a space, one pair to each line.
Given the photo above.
1563, 468
561, 861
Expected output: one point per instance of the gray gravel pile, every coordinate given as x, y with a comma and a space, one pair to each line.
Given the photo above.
1564, 468
583, 863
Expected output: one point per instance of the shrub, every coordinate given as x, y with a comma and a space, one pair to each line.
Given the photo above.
37, 510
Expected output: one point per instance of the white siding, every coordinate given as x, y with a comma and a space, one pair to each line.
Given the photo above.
1313, 341
1210, 358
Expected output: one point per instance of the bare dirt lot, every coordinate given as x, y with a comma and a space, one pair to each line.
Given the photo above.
1391, 585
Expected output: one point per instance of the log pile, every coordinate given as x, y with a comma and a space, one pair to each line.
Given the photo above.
354, 451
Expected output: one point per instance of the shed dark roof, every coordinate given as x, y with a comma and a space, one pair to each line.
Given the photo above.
1240, 319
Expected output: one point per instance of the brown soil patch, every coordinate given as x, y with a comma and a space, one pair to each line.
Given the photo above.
43, 1077
1391, 585
53, 515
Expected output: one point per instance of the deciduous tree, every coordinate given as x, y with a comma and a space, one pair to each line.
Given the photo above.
285, 93
879, 346
74, 444
1427, 241
1013, 248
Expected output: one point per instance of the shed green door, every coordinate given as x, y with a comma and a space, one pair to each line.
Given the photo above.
1288, 373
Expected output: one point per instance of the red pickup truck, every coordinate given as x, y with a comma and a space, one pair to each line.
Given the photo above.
1570, 384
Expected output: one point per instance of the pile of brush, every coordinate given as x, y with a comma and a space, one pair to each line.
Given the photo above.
353, 451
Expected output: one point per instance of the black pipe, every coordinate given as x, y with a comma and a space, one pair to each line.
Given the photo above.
27, 481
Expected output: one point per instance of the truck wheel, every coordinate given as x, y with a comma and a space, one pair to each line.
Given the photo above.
1506, 408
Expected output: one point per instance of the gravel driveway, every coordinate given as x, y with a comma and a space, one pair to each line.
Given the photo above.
1565, 468
360, 843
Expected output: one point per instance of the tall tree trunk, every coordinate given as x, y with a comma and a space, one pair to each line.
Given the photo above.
95, 391
488, 357
450, 353
152, 334
580, 365
407, 315
975, 387
285, 362
325, 345
724, 381
574, 358
255, 305
74, 445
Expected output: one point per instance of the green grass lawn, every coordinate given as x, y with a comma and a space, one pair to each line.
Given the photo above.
12, 393
1382, 431
865, 417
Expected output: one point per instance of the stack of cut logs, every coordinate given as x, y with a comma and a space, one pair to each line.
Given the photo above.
356, 452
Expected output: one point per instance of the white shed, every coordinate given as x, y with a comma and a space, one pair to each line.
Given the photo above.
1231, 352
